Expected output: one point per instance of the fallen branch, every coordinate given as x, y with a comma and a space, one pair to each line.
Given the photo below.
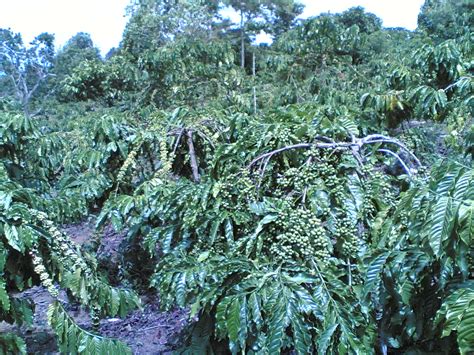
269, 155
405, 167
354, 146
378, 138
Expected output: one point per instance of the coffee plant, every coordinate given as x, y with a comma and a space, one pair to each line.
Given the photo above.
34, 251
315, 195
272, 233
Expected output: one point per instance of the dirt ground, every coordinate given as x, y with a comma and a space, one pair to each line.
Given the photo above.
149, 331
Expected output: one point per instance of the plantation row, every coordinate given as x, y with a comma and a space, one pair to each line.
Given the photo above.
313, 195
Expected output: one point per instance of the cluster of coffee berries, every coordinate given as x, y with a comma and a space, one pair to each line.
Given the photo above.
223, 189
369, 209
409, 141
345, 233
283, 136
287, 180
299, 235
385, 189
95, 317
298, 179
326, 169
245, 185
337, 187
404, 220
166, 159
209, 135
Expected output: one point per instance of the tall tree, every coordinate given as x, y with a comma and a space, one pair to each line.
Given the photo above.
154, 23
280, 15
25, 69
77, 49
445, 19
366, 21
274, 16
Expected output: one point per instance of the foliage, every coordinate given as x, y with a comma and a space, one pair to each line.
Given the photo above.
77, 49
154, 23
317, 199
425, 254
444, 19
24, 69
281, 249
34, 251
366, 22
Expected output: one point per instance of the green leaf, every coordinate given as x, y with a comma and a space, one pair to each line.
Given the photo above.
229, 231
13, 237
442, 224
213, 232
324, 339
466, 331
258, 208
466, 220
261, 224
374, 269
243, 322
233, 319
406, 291
203, 256
254, 307
116, 220
12, 344
276, 327
4, 298
167, 241
349, 125
181, 289
301, 334
463, 184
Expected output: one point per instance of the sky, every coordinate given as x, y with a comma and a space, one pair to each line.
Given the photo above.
105, 20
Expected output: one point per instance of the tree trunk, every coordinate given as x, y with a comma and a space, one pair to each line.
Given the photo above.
192, 157
254, 89
242, 42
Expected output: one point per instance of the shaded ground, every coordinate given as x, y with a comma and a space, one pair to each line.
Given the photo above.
149, 331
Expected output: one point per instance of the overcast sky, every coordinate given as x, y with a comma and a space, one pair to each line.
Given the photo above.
105, 20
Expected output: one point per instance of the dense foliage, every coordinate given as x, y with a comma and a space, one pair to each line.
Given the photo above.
312, 195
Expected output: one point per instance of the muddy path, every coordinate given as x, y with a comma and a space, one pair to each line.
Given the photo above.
146, 331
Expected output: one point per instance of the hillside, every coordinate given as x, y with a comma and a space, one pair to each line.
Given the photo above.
312, 195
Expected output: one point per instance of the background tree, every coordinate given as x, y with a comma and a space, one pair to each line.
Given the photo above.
256, 15
284, 16
25, 69
154, 23
366, 21
77, 49
445, 19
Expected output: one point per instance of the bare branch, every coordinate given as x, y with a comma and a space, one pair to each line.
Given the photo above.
205, 137
178, 139
354, 146
405, 167
343, 145
378, 138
